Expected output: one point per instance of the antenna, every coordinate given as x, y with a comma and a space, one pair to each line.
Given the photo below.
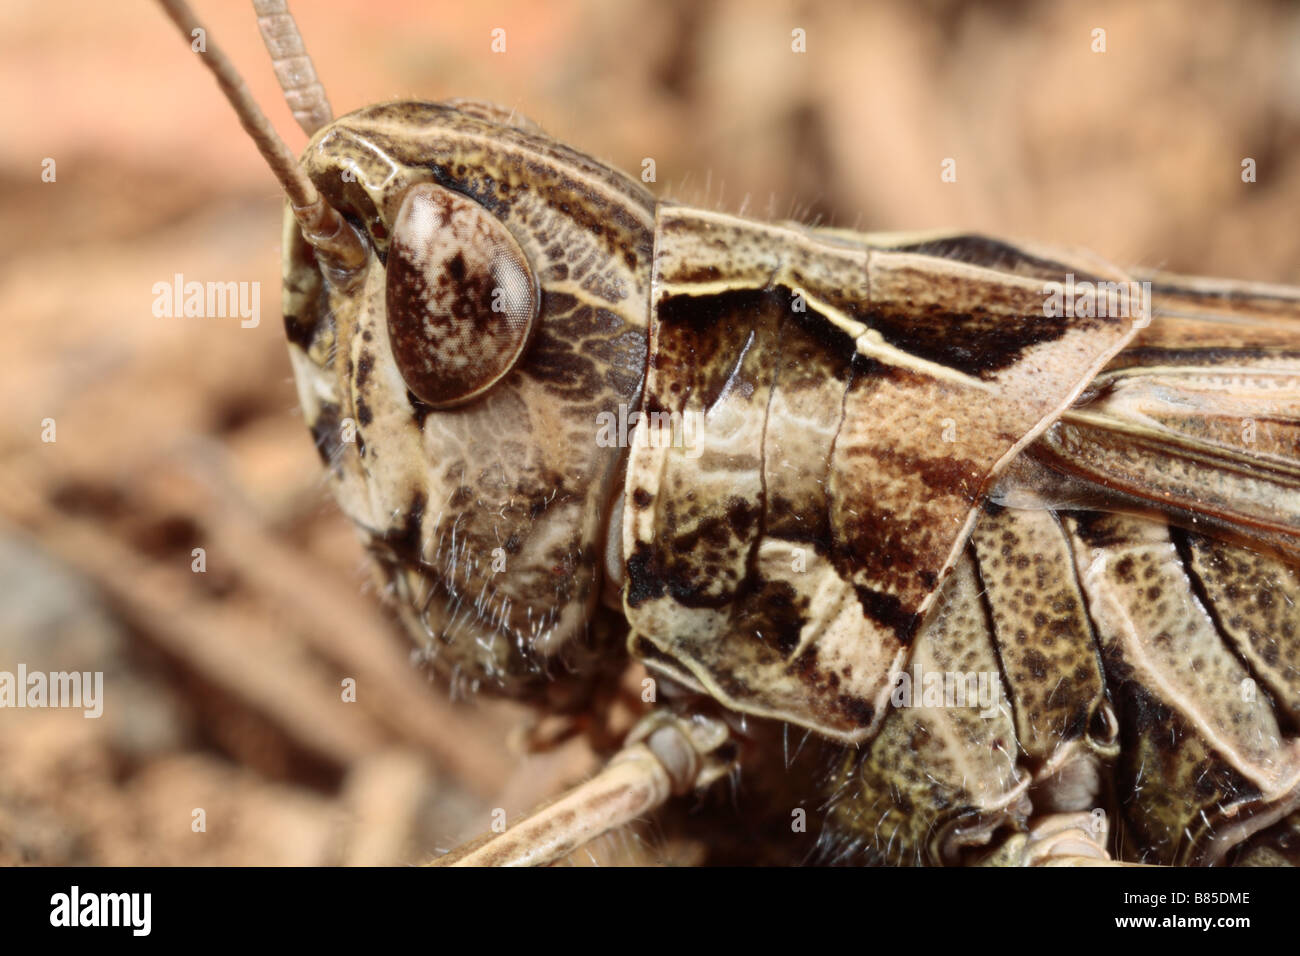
293, 67
338, 246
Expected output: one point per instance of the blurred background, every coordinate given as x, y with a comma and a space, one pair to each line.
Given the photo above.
222, 688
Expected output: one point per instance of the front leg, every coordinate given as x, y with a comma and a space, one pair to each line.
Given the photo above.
665, 755
1058, 839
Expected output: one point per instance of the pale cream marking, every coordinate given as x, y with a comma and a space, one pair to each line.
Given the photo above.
497, 146
1270, 780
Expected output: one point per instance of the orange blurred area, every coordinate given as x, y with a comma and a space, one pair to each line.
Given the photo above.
175, 434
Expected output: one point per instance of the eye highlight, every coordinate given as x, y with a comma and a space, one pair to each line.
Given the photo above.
462, 300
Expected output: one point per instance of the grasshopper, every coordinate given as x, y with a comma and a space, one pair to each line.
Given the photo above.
1010, 532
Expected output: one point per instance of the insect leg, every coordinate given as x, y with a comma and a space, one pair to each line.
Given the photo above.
664, 756
1059, 839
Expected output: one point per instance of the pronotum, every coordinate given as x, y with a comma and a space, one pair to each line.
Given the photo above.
1010, 533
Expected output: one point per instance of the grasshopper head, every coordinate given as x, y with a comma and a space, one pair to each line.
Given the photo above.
463, 298
454, 386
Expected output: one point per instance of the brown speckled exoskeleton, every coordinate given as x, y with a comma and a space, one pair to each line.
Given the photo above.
1025, 574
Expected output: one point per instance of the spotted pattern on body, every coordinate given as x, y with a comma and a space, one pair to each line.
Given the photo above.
1052, 666
898, 346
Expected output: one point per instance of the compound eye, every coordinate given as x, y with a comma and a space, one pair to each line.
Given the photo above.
462, 300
